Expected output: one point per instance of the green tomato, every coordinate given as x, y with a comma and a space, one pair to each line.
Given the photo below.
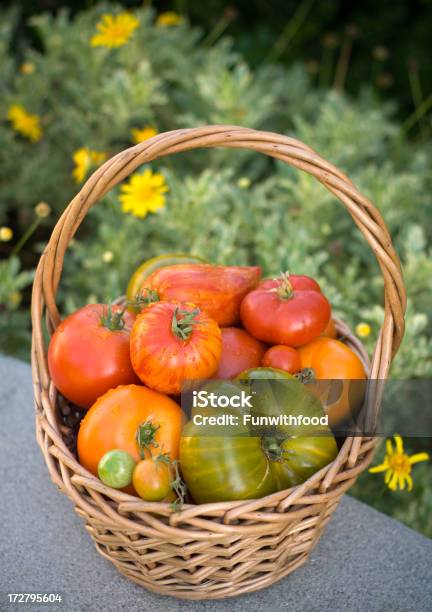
224, 463
115, 469
234, 462
303, 456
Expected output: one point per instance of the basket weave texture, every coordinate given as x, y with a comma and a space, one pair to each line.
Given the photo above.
220, 549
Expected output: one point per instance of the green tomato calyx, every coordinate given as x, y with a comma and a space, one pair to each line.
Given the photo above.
307, 375
183, 322
285, 291
112, 320
272, 449
145, 438
144, 299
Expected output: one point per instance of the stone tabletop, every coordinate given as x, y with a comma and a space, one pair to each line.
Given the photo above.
364, 561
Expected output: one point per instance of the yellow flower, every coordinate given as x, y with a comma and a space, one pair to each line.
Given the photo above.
363, 330
27, 68
42, 210
107, 256
244, 182
143, 193
25, 123
169, 18
6, 234
397, 465
139, 135
114, 30
85, 159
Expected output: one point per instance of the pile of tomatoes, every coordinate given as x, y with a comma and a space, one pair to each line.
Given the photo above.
187, 320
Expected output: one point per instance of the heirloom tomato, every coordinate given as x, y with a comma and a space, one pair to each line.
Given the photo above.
282, 357
115, 469
336, 375
330, 331
217, 290
239, 459
239, 352
288, 310
138, 278
173, 343
89, 353
152, 479
131, 418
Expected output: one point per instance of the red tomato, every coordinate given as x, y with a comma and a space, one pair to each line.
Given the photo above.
288, 310
218, 290
89, 353
283, 358
239, 352
172, 343
330, 331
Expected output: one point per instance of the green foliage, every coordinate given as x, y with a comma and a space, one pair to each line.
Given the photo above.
228, 206
13, 321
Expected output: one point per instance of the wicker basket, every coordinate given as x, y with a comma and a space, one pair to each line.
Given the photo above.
220, 549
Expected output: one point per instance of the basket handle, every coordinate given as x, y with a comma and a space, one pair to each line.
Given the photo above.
293, 152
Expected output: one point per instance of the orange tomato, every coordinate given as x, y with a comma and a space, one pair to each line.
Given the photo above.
174, 343
239, 352
283, 358
152, 479
113, 423
218, 290
330, 360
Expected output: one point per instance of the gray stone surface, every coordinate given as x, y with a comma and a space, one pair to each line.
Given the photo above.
365, 561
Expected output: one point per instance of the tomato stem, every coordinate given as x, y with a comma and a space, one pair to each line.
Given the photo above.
179, 487
145, 438
272, 448
114, 321
285, 290
176, 484
182, 327
307, 375
144, 299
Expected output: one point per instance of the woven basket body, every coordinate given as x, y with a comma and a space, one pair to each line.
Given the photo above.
221, 549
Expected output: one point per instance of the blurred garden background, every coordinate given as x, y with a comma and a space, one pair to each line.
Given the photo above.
352, 80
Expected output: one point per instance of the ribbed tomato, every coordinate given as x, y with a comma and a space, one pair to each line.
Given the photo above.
89, 353
289, 310
173, 343
239, 352
238, 461
217, 290
139, 277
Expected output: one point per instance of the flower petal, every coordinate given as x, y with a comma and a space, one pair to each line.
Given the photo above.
393, 482
418, 457
389, 447
379, 468
399, 444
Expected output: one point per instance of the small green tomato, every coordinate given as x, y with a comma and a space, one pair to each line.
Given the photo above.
115, 469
